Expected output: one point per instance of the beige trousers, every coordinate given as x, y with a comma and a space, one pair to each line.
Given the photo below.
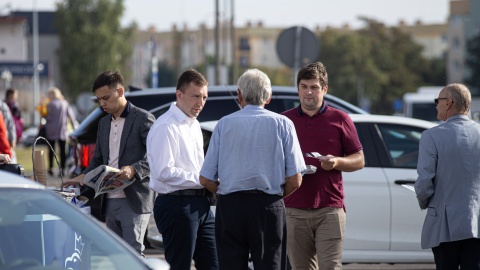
315, 238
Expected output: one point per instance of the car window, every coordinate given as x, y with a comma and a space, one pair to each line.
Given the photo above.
402, 144
39, 228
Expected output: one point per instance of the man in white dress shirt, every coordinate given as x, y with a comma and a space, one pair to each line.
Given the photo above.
175, 154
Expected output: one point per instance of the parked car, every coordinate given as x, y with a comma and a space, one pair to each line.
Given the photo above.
222, 100
40, 229
384, 221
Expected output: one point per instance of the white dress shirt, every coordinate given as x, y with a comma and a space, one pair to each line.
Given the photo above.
175, 152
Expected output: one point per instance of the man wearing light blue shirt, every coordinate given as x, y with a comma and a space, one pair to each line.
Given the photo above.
253, 161
448, 183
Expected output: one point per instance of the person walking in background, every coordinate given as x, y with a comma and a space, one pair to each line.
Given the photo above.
10, 124
175, 154
11, 99
58, 113
253, 160
448, 183
121, 143
316, 211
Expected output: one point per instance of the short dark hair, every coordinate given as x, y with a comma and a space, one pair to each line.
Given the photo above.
313, 71
190, 76
110, 78
10, 92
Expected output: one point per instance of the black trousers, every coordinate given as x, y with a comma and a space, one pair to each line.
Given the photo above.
251, 224
63, 155
187, 226
452, 255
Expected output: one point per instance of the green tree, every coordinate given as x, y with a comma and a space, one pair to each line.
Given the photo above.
473, 63
91, 41
376, 62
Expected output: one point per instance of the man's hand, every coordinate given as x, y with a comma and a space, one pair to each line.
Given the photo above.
126, 172
210, 185
74, 181
328, 162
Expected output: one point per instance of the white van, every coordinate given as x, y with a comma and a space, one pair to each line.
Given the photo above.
421, 104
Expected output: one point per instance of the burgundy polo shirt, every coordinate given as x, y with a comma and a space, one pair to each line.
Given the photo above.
329, 131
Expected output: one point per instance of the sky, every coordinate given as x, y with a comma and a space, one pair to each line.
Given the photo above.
273, 13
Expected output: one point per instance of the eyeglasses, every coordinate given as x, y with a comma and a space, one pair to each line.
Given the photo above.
437, 99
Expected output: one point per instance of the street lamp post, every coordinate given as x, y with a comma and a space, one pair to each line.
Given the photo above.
36, 86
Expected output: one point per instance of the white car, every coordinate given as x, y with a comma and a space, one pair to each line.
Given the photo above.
384, 221
40, 229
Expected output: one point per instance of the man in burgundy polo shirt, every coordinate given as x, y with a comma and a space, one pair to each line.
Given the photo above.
316, 211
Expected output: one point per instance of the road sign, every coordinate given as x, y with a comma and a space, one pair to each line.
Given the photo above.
19, 69
297, 46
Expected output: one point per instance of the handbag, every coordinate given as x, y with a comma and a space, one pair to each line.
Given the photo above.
13, 168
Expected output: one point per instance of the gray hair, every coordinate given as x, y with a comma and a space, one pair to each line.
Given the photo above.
255, 87
460, 95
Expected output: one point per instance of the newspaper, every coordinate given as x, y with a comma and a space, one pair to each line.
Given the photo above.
103, 179
315, 155
409, 187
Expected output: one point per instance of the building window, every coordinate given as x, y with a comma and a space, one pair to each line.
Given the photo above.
456, 21
456, 43
243, 44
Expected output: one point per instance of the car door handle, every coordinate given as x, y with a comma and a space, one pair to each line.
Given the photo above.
404, 182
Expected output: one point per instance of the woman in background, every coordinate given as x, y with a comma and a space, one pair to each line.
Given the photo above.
58, 112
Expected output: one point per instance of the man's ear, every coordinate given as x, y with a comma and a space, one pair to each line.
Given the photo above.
178, 94
121, 91
269, 99
239, 94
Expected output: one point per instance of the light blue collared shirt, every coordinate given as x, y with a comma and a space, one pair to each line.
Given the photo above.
253, 148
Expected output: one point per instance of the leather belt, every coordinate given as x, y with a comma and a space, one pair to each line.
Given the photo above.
252, 191
189, 192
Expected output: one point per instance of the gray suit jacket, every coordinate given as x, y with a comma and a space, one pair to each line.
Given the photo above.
133, 152
448, 183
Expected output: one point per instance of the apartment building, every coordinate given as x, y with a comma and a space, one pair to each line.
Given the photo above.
463, 24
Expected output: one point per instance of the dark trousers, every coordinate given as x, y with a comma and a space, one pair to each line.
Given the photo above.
187, 226
251, 224
452, 255
63, 156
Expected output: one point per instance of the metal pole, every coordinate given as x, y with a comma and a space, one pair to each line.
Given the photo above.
217, 45
232, 36
36, 86
296, 59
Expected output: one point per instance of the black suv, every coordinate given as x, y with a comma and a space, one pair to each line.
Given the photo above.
222, 100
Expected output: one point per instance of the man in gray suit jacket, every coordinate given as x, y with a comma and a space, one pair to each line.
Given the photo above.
121, 143
448, 183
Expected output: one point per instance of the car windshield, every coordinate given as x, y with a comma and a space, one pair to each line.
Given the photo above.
41, 230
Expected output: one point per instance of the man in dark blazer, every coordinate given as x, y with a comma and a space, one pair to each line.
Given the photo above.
121, 143
448, 183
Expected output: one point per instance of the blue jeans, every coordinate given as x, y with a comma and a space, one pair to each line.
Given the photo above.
187, 226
